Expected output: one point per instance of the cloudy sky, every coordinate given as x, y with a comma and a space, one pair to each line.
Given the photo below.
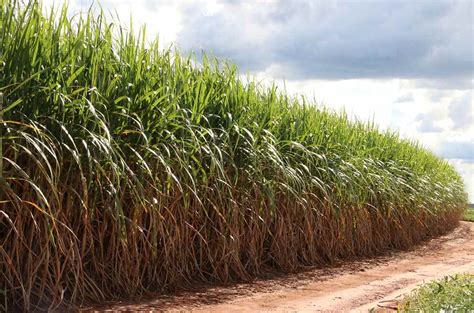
407, 64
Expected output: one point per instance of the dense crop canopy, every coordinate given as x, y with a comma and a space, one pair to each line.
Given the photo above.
128, 168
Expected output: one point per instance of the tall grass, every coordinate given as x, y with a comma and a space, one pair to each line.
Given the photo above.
129, 169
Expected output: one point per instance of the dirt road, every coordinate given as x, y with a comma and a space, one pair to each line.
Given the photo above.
353, 286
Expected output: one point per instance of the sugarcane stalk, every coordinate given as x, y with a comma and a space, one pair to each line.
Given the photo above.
1, 136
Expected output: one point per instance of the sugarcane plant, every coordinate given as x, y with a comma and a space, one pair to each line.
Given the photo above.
129, 168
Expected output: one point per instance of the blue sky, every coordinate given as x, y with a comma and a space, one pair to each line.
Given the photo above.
407, 64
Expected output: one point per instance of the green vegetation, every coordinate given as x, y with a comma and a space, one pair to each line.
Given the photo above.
129, 169
450, 294
469, 215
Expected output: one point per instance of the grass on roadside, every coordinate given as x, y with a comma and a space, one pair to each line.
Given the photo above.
449, 294
469, 215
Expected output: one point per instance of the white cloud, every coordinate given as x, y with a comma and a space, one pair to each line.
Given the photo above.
404, 98
339, 39
461, 111
427, 124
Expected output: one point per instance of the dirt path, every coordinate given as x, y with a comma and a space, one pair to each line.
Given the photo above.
353, 286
